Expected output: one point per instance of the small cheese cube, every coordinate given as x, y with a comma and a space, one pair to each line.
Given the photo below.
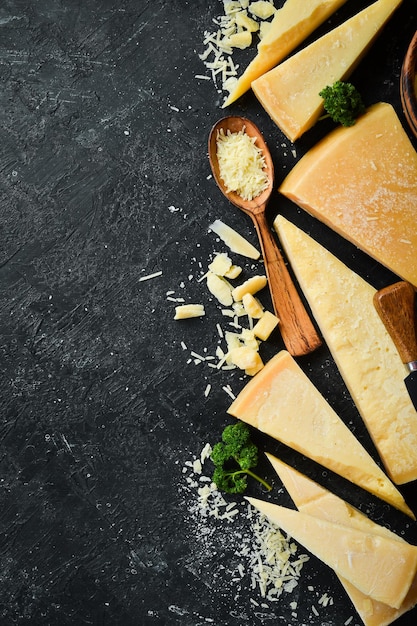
240, 40
221, 264
265, 326
252, 306
252, 285
246, 358
186, 311
262, 9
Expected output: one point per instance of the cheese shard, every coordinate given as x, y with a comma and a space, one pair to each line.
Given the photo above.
282, 402
367, 560
342, 304
290, 92
315, 500
234, 240
291, 25
361, 181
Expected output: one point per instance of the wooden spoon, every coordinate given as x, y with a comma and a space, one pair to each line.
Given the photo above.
297, 330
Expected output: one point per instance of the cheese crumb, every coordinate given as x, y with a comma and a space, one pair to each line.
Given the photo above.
150, 276
185, 311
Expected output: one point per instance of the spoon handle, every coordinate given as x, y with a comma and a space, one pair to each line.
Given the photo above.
298, 332
396, 308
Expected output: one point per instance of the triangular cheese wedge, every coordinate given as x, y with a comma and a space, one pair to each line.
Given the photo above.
282, 402
290, 92
361, 181
342, 304
311, 498
365, 559
292, 24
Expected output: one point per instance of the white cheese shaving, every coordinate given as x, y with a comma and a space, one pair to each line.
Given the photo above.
150, 276
234, 240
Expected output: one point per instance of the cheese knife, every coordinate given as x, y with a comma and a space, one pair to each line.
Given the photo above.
395, 305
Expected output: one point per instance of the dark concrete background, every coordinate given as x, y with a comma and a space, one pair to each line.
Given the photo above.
104, 179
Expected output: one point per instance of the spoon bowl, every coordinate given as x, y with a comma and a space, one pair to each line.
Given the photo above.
298, 332
236, 124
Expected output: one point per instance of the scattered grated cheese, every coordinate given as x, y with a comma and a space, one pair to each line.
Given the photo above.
274, 565
325, 600
229, 392
268, 559
150, 276
235, 29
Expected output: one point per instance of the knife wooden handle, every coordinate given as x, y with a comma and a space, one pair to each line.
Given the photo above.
396, 307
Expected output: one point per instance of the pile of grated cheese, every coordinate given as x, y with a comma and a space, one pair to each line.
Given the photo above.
268, 559
241, 164
279, 568
242, 19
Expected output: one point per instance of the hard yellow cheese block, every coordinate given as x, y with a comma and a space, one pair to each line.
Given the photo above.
361, 181
290, 92
367, 560
282, 402
291, 25
315, 500
342, 304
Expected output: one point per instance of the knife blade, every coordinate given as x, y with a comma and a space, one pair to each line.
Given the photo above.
395, 305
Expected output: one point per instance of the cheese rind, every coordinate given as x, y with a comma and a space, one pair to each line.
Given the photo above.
342, 304
292, 23
361, 181
290, 92
282, 402
365, 559
312, 498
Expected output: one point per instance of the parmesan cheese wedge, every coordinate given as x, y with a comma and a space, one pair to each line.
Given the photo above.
282, 402
361, 181
312, 498
290, 26
379, 566
234, 240
342, 304
290, 92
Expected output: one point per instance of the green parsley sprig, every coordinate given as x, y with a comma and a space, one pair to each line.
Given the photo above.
233, 458
342, 102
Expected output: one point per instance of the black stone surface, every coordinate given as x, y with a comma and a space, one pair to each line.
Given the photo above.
104, 179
